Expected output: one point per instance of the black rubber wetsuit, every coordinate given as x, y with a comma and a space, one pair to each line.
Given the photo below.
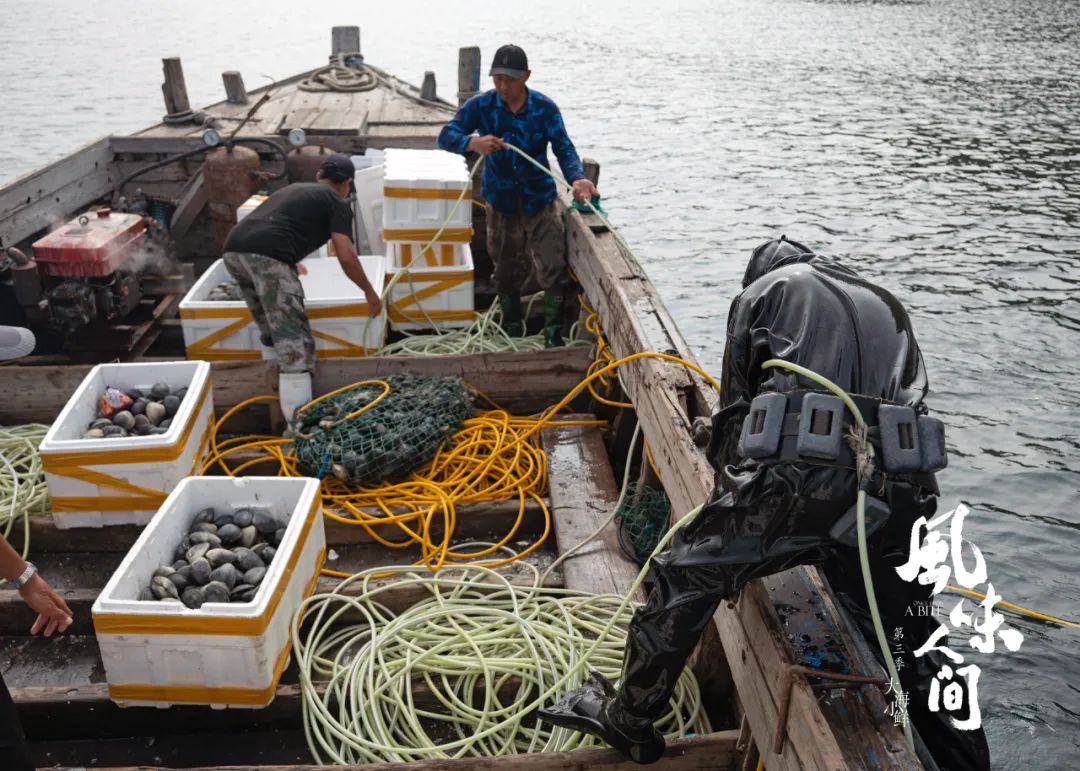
764, 518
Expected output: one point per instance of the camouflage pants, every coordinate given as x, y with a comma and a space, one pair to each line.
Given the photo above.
519, 243
275, 298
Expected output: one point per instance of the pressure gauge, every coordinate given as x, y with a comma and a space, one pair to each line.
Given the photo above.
211, 138
297, 137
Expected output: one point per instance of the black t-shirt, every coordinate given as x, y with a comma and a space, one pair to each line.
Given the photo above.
292, 223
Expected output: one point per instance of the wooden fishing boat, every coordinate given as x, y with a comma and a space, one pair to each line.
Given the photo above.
759, 699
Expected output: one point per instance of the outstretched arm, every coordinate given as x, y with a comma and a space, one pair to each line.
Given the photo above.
568, 159
350, 265
53, 612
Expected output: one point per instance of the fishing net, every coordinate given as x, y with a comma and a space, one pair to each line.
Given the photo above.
399, 433
643, 520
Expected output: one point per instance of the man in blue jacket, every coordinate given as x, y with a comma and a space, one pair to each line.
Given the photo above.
522, 221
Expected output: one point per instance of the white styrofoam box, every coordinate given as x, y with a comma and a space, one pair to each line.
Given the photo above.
122, 480
369, 205
445, 292
421, 188
217, 330
224, 653
251, 204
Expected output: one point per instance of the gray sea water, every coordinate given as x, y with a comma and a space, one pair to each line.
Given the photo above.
935, 146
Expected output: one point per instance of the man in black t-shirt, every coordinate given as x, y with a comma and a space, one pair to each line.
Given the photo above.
263, 254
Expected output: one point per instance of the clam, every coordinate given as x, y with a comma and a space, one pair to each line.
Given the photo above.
246, 559
124, 419
165, 423
100, 423
110, 431
193, 597
279, 535
265, 523
164, 571
254, 576
205, 527
164, 588
197, 551
160, 391
179, 579
94, 433
229, 534
206, 515
134, 394
155, 412
243, 593
139, 407
180, 564
171, 404
248, 536
226, 574
265, 551
142, 425
200, 570
219, 557
243, 517
201, 537
158, 431
223, 518
181, 393
215, 591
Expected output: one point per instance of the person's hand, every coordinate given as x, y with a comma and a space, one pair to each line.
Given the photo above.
486, 145
584, 190
53, 613
301, 269
374, 303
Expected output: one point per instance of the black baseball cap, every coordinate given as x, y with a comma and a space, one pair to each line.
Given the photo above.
337, 167
510, 60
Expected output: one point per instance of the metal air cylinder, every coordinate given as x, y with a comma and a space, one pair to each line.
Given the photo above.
304, 162
230, 180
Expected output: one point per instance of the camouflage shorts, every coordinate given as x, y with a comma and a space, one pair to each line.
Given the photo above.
273, 293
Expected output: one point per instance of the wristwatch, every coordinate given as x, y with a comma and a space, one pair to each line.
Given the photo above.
26, 575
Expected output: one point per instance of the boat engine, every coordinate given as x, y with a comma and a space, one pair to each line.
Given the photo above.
81, 273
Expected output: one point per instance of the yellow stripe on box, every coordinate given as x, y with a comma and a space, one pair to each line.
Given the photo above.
140, 498
150, 624
201, 694
425, 193
459, 235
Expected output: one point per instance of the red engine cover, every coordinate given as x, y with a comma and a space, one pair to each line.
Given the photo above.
91, 245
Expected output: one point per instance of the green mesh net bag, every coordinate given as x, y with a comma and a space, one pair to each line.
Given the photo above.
389, 440
643, 520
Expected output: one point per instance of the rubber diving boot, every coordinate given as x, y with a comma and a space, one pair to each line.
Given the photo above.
294, 391
591, 709
554, 301
512, 323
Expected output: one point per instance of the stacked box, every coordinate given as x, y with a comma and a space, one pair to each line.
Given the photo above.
425, 191
216, 330
123, 480
225, 654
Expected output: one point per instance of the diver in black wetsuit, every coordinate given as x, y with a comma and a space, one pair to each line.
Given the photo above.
771, 512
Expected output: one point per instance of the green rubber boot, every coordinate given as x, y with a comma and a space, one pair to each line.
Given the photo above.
554, 301
512, 323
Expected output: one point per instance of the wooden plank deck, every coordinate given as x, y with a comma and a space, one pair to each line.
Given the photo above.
583, 494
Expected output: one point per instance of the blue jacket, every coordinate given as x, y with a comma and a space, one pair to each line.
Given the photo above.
509, 180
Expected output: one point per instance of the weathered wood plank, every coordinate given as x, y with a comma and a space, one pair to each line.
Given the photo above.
634, 319
713, 752
52, 194
521, 382
583, 495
